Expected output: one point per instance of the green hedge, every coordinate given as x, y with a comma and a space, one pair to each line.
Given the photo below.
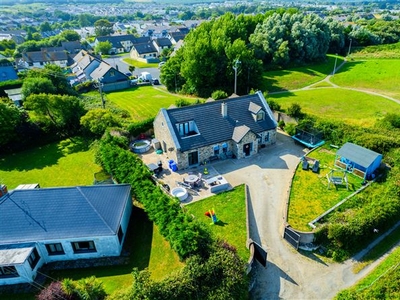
186, 236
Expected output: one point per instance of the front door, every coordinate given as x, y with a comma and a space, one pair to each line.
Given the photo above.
247, 149
193, 158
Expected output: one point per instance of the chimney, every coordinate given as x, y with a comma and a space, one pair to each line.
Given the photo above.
3, 190
224, 109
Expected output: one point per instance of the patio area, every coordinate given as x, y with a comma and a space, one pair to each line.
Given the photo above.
199, 182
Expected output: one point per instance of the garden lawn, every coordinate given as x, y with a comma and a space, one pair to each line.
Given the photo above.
144, 102
139, 64
230, 209
352, 107
58, 164
310, 196
377, 75
296, 78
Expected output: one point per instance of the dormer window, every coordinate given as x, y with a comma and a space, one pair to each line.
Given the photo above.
187, 129
261, 115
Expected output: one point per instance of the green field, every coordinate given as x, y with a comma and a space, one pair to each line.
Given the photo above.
296, 78
377, 75
145, 101
230, 209
378, 51
350, 106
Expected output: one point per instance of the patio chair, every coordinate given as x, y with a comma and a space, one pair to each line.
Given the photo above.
315, 167
305, 164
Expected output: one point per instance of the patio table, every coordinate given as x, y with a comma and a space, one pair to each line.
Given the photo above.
191, 179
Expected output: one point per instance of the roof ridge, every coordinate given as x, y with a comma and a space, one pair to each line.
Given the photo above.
94, 209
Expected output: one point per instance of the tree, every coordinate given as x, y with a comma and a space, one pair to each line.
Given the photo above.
103, 27
86, 288
98, 120
103, 47
37, 85
70, 35
45, 27
10, 118
60, 111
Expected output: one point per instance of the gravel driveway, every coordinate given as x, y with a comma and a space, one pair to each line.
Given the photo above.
289, 274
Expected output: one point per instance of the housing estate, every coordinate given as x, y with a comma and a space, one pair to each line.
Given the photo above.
43, 225
235, 127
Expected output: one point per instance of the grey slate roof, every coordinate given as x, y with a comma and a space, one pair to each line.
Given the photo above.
116, 40
239, 132
163, 42
145, 48
254, 108
357, 154
58, 213
213, 127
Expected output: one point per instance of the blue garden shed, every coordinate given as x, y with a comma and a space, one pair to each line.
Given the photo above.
358, 160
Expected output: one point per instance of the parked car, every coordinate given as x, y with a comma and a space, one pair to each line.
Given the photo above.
156, 81
129, 74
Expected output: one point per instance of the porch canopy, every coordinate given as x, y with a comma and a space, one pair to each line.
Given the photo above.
358, 160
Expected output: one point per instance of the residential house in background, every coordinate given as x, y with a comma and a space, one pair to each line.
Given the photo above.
235, 127
38, 59
89, 67
121, 43
43, 225
162, 43
145, 52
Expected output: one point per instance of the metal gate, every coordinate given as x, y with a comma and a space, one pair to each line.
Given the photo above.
292, 237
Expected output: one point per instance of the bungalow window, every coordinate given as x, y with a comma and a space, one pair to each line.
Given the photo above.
8, 272
120, 234
216, 150
55, 249
224, 147
34, 258
83, 247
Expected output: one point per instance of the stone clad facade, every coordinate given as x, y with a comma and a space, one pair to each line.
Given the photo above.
232, 128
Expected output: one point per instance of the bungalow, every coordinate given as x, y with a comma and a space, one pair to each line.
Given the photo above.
121, 43
175, 37
162, 43
110, 78
235, 127
145, 52
43, 225
38, 59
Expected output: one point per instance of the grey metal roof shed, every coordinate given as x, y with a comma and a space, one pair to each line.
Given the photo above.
359, 160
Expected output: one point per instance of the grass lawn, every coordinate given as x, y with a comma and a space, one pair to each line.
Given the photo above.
296, 78
378, 51
351, 107
147, 249
230, 209
58, 164
139, 64
310, 196
378, 75
144, 102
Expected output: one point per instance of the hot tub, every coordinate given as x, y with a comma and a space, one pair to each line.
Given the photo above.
140, 146
179, 192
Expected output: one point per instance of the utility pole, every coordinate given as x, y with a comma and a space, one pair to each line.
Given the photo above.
334, 68
101, 93
235, 67
348, 53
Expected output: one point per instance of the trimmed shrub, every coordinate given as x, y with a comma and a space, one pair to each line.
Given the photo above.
219, 94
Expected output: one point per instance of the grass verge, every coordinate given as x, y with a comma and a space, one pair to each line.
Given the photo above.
230, 209
139, 64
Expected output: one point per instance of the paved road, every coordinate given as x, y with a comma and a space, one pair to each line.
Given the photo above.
289, 274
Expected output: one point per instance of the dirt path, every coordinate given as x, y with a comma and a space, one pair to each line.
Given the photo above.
289, 274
